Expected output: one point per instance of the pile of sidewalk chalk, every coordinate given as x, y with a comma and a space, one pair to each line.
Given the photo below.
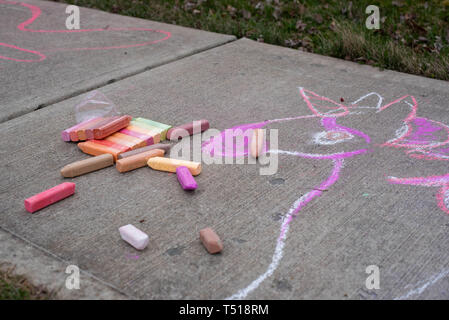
130, 143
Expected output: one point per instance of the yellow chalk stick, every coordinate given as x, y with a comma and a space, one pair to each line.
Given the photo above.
170, 165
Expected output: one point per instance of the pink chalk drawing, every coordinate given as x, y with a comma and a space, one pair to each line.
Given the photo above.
421, 138
432, 181
40, 56
132, 256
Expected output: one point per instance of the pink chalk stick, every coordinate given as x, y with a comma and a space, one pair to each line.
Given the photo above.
147, 139
135, 237
50, 196
186, 179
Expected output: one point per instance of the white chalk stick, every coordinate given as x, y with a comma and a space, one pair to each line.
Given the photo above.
134, 236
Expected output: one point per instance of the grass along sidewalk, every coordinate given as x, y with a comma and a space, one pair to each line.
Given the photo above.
15, 287
413, 35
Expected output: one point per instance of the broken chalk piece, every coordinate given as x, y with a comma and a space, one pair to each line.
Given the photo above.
50, 196
170, 165
134, 236
257, 141
187, 129
137, 161
211, 240
165, 147
185, 178
85, 166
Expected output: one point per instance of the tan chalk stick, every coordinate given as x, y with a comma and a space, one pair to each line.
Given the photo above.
138, 160
85, 166
211, 240
257, 143
165, 147
170, 165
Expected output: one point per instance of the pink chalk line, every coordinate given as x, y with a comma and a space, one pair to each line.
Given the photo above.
310, 96
132, 256
36, 12
431, 181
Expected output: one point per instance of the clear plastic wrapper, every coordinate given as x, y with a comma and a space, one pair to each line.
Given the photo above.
95, 105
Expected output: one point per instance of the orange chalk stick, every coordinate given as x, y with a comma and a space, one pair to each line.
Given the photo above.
113, 145
97, 147
138, 160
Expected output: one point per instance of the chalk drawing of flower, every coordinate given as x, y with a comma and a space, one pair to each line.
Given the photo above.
419, 137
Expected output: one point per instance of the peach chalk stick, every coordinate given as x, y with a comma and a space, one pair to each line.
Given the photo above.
138, 160
257, 143
211, 240
185, 178
165, 147
111, 127
96, 149
170, 165
187, 129
50, 196
85, 166
135, 237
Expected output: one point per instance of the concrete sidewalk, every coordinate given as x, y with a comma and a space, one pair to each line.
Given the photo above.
335, 177
41, 62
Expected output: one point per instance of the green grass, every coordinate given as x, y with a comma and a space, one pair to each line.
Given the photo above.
413, 36
14, 287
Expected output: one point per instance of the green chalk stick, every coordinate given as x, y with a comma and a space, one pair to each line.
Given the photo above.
162, 126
